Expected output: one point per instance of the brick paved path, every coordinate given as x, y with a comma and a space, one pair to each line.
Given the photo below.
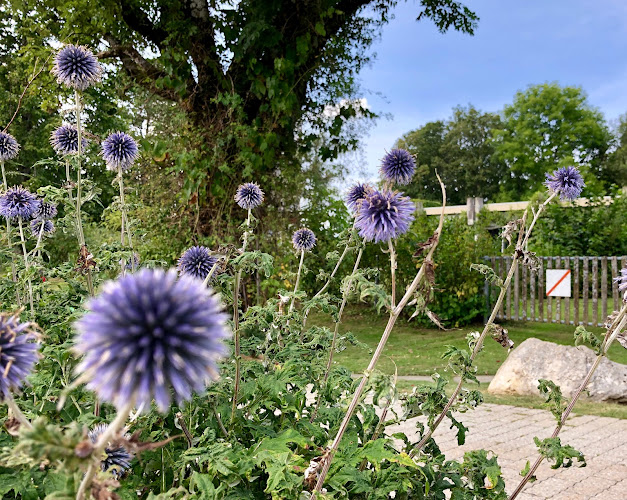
509, 431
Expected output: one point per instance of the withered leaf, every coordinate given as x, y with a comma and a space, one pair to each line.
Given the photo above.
85, 260
434, 317
100, 490
429, 271
425, 245
501, 335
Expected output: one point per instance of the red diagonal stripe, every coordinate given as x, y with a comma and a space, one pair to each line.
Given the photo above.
558, 282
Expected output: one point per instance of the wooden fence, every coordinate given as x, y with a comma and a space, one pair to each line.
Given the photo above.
594, 294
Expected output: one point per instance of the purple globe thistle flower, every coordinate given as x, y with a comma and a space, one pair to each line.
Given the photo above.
134, 263
18, 352
117, 460
76, 67
36, 227
46, 211
622, 282
64, 140
304, 240
19, 202
197, 262
249, 195
355, 195
384, 215
566, 181
149, 334
398, 166
119, 151
9, 147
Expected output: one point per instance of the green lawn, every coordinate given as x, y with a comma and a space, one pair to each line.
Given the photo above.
417, 351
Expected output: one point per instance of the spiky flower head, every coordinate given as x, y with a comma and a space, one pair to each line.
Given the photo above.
567, 181
117, 459
304, 240
249, 195
19, 202
18, 352
384, 215
355, 195
9, 147
46, 211
64, 140
197, 262
76, 67
119, 151
36, 227
622, 282
151, 334
133, 263
398, 166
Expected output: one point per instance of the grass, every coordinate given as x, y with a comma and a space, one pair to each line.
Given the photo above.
415, 350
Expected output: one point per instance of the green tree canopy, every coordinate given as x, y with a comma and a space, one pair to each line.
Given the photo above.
545, 127
252, 78
462, 152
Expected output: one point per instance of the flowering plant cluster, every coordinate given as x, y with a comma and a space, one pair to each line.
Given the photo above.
165, 381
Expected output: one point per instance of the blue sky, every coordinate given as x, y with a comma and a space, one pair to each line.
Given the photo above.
422, 74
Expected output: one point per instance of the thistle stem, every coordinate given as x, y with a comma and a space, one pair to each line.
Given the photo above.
79, 222
238, 357
522, 241
335, 333
13, 270
101, 444
617, 326
300, 269
26, 267
17, 413
395, 313
125, 220
393, 271
210, 274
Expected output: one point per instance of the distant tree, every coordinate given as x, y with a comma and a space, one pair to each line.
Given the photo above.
462, 152
616, 164
546, 126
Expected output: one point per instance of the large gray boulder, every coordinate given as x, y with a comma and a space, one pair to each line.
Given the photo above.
567, 366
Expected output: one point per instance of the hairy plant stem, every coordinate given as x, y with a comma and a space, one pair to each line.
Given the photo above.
377, 354
124, 221
17, 413
328, 282
522, 241
79, 222
617, 326
392, 271
5, 186
238, 356
210, 274
300, 269
101, 444
335, 334
26, 267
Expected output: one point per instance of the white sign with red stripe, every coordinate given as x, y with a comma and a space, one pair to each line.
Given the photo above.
558, 283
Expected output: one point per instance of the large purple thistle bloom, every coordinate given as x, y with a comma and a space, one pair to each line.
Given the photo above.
355, 195
76, 67
117, 460
249, 195
197, 262
119, 150
9, 147
384, 215
18, 353
567, 181
64, 140
398, 166
304, 240
149, 334
19, 202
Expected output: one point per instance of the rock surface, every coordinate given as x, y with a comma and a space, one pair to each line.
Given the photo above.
567, 366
